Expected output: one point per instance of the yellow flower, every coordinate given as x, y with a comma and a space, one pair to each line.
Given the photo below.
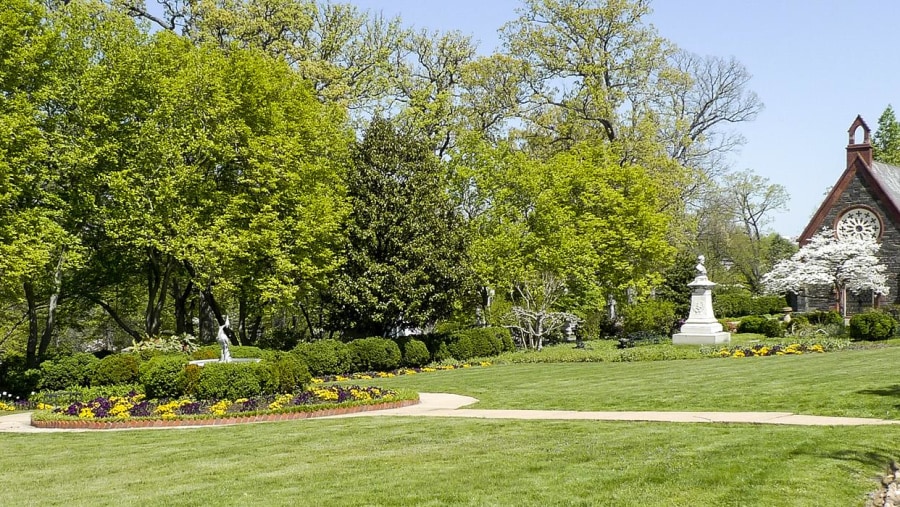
220, 408
817, 348
86, 413
738, 353
360, 395
7, 407
326, 394
763, 351
280, 401
317, 380
485, 363
44, 406
724, 353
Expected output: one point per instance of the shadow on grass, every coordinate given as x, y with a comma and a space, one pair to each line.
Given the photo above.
880, 459
893, 390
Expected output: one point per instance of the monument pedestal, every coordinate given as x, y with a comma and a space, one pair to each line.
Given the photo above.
701, 328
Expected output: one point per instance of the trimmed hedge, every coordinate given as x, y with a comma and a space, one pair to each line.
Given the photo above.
374, 354
117, 369
68, 371
415, 353
286, 373
164, 376
771, 328
325, 357
231, 381
654, 316
742, 304
872, 326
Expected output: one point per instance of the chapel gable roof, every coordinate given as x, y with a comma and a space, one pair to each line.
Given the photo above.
883, 179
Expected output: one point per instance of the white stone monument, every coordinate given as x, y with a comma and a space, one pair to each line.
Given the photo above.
701, 328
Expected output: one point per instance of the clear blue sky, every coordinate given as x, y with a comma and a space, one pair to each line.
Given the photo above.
815, 65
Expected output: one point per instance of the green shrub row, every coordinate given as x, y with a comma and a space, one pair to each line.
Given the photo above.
771, 328
741, 304
874, 325
170, 376
165, 375
333, 357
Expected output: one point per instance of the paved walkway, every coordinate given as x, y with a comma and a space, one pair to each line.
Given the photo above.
450, 405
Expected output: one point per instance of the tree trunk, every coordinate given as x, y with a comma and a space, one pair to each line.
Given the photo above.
50, 324
242, 317
183, 313
135, 335
159, 269
31, 347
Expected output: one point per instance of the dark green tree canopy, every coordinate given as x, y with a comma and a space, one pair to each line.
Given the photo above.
405, 242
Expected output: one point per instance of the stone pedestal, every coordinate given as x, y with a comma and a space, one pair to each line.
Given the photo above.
701, 328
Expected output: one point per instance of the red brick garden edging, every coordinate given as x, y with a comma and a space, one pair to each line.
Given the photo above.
172, 423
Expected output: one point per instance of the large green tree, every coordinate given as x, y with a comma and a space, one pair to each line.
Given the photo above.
581, 215
886, 140
405, 241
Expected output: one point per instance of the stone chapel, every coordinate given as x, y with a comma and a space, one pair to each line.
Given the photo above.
865, 201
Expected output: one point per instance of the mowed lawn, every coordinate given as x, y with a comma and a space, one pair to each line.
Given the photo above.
432, 461
858, 383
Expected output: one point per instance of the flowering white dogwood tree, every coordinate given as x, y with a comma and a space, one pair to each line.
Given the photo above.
847, 264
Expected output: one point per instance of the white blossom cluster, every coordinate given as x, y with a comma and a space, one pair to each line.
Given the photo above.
844, 264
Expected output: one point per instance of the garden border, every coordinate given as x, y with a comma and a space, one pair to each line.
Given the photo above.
95, 424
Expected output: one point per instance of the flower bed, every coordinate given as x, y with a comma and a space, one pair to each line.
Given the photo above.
761, 350
134, 411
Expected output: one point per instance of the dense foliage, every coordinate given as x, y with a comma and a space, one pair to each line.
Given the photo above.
316, 171
872, 326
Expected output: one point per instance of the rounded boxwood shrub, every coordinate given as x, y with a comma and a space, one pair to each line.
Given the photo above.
231, 381
506, 340
15, 376
286, 373
325, 357
733, 304
872, 326
374, 354
69, 371
476, 342
773, 328
415, 353
117, 369
768, 305
461, 347
164, 376
753, 324
656, 317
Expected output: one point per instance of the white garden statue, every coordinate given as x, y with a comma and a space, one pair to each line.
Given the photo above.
701, 327
222, 338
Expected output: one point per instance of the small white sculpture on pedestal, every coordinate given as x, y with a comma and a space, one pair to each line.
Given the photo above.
701, 328
222, 338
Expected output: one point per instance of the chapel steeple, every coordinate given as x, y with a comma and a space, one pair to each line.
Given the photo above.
855, 146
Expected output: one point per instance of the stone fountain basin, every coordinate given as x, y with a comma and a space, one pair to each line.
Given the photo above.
204, 362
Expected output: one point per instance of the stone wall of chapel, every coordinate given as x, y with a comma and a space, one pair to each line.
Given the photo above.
859, 193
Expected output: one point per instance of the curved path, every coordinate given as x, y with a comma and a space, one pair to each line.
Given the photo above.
450, 405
